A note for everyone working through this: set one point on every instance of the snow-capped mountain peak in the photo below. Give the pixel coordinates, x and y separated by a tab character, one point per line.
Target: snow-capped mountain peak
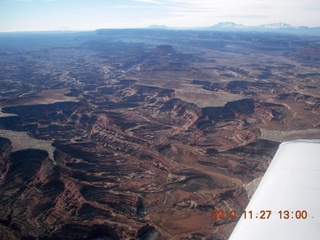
227	25
278	25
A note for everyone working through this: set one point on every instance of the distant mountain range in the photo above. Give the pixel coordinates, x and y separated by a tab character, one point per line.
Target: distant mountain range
272	27
159	27
228	25
278	25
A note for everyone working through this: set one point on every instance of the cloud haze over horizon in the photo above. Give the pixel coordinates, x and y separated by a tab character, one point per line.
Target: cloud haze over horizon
37	15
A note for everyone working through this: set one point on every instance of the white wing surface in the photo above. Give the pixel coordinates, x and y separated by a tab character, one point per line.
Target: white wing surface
286	204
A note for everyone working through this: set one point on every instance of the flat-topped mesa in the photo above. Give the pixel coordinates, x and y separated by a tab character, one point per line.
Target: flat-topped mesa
242	106
163	50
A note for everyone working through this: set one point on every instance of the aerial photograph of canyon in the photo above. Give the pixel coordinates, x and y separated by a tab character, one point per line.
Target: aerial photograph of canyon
142	132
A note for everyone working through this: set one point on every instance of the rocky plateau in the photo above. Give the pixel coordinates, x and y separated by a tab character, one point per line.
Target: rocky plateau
141	134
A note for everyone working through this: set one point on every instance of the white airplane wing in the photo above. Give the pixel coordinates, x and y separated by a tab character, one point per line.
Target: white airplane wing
286	204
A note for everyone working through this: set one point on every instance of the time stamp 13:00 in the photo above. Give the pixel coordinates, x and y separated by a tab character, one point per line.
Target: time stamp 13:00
262	214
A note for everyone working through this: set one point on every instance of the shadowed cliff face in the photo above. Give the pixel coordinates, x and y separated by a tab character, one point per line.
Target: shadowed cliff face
20	171
5	146
34	199
24	165
244	106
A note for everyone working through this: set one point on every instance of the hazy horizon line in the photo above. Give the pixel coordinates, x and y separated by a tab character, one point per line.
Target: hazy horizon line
163	26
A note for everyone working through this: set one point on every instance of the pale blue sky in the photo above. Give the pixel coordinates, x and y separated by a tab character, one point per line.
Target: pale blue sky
35	15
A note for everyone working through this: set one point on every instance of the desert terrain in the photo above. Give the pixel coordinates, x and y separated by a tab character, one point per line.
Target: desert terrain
142	133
